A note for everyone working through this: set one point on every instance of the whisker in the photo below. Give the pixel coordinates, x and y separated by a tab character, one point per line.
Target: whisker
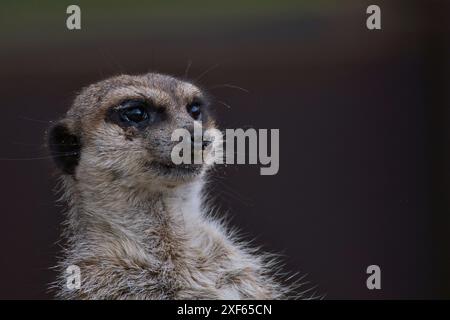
36	120
35	158
206	71
188	67
227	85
225	104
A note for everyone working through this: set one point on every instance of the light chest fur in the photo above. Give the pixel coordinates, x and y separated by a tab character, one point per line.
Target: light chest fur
160	247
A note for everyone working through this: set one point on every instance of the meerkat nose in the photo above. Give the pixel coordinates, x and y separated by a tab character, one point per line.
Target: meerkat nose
204	143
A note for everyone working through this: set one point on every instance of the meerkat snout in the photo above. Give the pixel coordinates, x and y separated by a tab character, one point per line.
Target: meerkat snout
123	126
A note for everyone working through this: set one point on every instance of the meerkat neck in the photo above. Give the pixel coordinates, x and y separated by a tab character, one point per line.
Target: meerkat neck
132	212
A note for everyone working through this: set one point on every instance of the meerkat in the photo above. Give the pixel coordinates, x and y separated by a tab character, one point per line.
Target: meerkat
136	225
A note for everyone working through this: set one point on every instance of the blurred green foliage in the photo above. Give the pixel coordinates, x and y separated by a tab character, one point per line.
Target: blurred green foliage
32	11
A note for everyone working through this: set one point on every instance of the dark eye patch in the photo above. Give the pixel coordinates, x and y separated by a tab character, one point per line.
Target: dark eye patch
198	109
65	148
135	113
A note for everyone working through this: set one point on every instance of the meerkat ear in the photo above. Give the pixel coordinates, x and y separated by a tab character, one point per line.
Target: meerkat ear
64	147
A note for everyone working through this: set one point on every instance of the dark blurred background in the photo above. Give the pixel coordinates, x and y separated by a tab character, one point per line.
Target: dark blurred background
363	119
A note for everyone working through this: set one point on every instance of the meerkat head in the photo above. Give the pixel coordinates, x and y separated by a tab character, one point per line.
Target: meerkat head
120	129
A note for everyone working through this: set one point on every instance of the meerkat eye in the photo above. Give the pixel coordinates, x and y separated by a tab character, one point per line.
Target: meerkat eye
134	114
195	110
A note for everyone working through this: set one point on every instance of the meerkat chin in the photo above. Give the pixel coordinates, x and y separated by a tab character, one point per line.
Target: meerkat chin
136	226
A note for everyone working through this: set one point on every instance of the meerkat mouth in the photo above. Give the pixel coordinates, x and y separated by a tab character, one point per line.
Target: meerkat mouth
174	169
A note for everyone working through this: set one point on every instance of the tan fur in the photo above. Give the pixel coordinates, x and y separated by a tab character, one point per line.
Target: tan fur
136	233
